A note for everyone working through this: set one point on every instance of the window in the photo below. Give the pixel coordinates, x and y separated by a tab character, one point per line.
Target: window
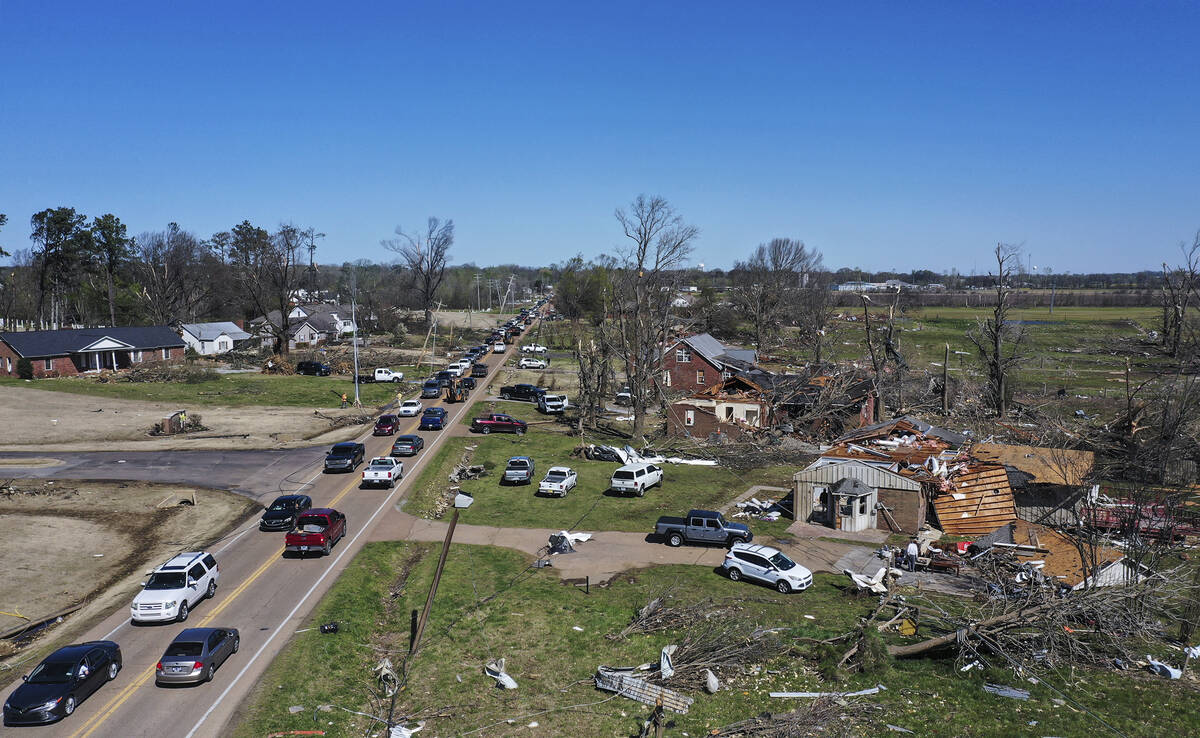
689	417
666	379
196	572
135	356
166	353
683	355
48	364
9	362
862	505
700	377
728	413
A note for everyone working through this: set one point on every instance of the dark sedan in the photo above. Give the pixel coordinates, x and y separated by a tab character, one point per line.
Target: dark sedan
407	445
195	654
387	425
65	678
281	515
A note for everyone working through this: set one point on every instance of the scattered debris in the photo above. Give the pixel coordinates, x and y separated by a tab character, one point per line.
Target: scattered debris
842	695
1161	669
1001	690
666	669
330	627
622	681
897	729
495	669
711	684
876	583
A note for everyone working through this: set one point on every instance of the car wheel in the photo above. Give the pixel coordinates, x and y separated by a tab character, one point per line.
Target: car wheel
520	431
485	430
113	668
183	612
783	587
237	643
326	549
395	380
69	705
641	491
675	540
733	541
212	589
208	673
734	574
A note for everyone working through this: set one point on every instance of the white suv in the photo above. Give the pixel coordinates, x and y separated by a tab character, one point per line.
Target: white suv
636	478
176	587
767	565
531	363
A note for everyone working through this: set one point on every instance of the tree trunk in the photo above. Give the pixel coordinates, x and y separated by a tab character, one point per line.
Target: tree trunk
112	306
914	649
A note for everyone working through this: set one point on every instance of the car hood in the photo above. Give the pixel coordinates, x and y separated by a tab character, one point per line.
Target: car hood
278	514
157	596
30	695
737	526
337	459
797	572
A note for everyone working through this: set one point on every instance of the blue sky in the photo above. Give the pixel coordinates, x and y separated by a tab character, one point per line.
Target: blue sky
886	135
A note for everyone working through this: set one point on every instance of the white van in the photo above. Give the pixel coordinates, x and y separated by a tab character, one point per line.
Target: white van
636	478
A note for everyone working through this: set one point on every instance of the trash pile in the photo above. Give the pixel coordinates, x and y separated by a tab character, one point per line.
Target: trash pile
627	455
768	510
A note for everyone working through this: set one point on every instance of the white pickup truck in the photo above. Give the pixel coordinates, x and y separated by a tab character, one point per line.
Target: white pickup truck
383	471
383	374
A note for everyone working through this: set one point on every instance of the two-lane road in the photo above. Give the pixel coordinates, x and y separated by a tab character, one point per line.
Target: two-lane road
264	595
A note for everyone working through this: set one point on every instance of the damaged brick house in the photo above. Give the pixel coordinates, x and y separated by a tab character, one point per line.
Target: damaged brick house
695	363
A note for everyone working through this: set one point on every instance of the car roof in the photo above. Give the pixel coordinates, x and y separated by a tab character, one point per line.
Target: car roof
76	650
289	498
636	465
518	458
563	469
411	402
319	511
345	444
755	548
179	562
406	439
195	634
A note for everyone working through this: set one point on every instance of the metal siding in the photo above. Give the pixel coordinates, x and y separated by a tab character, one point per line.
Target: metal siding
871	476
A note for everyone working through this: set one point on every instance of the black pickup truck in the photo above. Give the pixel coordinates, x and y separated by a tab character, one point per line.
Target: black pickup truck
526	392
701	526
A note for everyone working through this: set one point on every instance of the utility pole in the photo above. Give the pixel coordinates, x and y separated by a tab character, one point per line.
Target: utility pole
354	335
312	264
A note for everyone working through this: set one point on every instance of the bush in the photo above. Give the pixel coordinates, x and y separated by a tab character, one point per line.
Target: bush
24	368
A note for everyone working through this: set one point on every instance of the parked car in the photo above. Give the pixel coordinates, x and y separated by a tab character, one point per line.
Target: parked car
409	409
767	565
61	681
552	404
174	588
383	374
624	397
498	422
468	383
387	425
383	471
526	392
434	418
317	529
701	526
519	470
533	348
479	370
531	363
345	457
281	515
431	389
195	654
636	478
313	368
498	347
407	445
559	481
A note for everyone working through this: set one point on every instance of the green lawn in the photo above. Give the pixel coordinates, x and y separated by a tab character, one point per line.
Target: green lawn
590	504
491	604
231	390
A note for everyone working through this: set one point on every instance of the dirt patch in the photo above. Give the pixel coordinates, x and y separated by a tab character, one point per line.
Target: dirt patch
82	542
43	420
27	462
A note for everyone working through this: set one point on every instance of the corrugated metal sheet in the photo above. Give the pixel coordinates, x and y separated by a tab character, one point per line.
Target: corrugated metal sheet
979	501
869	475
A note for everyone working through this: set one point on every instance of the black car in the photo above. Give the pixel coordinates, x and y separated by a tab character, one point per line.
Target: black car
479	369
195	654
281	515
64	679
345	457
526	392
468	383
407	445
313	368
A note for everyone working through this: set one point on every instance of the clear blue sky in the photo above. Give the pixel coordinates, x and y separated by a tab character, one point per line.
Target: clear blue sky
887	135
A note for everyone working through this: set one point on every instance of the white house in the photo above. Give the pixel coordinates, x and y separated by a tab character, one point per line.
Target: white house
207	339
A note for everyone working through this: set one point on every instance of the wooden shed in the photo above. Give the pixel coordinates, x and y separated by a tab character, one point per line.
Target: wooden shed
903	497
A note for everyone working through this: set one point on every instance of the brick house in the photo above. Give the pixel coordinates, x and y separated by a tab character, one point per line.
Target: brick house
697	362
66	353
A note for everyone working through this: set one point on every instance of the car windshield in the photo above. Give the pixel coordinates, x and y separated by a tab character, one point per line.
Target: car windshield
781	562
53	672
281	505
556	476
341	451
623	475
381	463
518	464
411	403
386	419
184	650
165	580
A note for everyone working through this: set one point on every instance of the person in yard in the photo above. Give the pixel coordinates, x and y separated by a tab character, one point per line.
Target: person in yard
345	400
910	555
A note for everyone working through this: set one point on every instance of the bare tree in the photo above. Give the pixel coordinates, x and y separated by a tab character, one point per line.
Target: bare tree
813	308
659	243
269	268
768	280
3	221
1177	295
167	265
999	342
425	255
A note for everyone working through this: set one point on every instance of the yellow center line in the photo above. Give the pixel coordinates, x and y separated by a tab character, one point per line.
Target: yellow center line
95	721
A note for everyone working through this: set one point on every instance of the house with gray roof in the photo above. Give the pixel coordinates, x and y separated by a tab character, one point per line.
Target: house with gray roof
308	325
207	339
74	351
697	362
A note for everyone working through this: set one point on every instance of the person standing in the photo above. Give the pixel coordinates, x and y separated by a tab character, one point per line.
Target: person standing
910	555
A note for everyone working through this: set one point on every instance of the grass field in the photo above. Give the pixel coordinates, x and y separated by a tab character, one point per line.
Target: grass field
590	504
491	605
231	390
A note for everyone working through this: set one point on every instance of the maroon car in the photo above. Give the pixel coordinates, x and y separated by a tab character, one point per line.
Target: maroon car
499	423
387	425
316	531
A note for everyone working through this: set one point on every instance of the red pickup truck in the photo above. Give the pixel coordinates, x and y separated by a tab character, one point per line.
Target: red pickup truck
499	423
316	529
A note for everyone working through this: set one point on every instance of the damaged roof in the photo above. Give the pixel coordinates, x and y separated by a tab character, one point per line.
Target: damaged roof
975	501
906	425
1041	465
1063	560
